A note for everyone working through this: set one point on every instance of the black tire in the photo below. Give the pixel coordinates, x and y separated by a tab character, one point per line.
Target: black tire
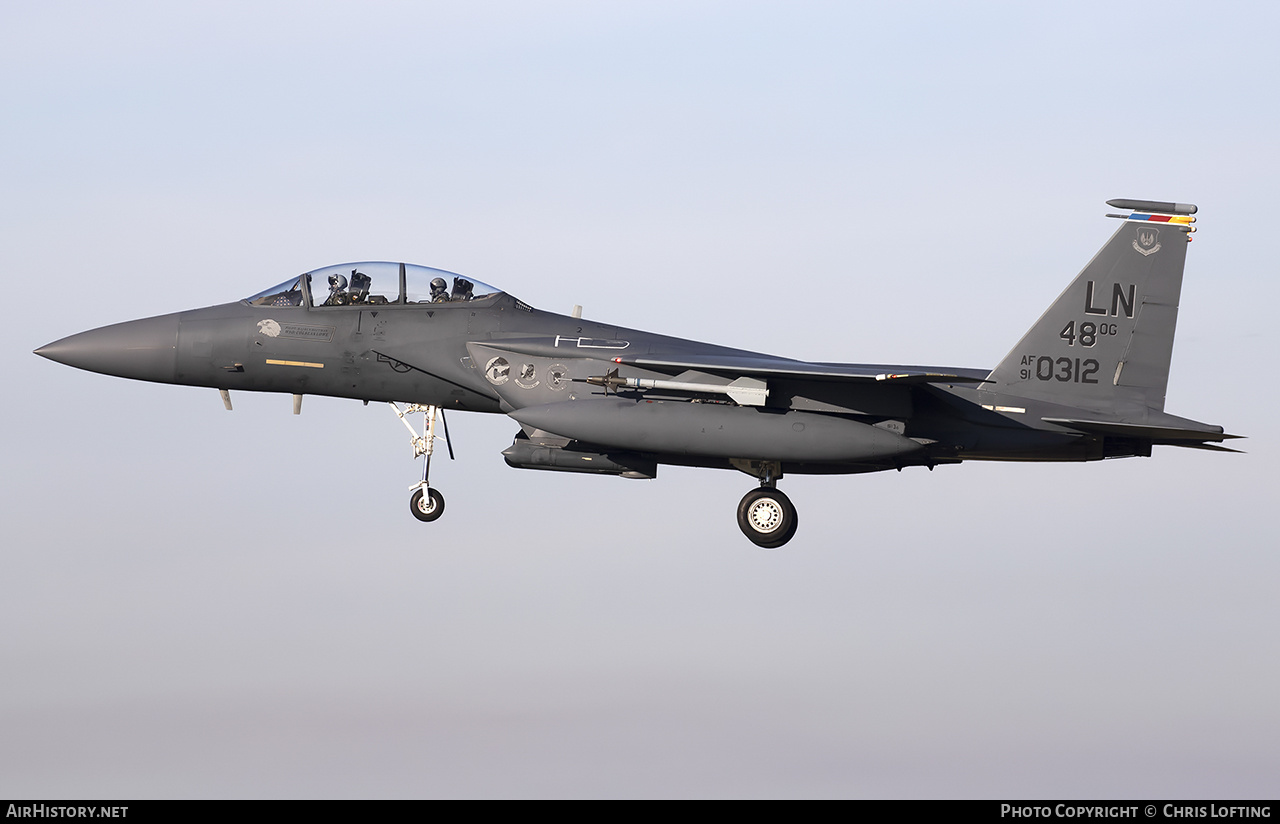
428	508
767	517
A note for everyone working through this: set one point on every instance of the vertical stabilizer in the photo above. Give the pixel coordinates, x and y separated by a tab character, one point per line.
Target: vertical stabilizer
1106	342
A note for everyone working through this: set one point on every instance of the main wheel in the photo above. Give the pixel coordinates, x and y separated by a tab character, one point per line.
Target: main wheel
767	517
426	507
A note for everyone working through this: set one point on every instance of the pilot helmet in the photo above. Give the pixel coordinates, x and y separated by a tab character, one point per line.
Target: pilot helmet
337	283
438	285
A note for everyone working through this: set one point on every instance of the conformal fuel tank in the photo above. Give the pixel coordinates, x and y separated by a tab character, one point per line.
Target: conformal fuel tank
715	429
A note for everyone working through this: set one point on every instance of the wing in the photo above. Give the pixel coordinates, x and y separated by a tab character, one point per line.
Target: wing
765	366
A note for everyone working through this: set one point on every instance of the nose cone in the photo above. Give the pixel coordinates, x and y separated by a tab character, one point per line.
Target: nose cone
145	350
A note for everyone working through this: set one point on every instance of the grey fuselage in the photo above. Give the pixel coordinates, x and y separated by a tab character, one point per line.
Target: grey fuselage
441	354
1087	381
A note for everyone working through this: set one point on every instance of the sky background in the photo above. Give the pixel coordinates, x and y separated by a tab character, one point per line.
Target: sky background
195	603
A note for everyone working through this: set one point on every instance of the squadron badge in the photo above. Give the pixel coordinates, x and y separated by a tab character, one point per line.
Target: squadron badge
527	376
1148	242
557	376
497	371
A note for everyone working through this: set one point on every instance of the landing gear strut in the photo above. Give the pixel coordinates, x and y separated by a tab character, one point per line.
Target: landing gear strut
425	503
765	515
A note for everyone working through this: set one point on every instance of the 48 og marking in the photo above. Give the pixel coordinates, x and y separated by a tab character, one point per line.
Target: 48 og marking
1089	332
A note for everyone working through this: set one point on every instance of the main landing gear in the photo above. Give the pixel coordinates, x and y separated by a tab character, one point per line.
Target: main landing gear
425	503
765	515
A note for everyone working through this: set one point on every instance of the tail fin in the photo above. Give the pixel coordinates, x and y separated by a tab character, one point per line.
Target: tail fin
1106	342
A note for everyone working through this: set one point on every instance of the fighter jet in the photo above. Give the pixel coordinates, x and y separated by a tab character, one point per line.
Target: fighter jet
1086	382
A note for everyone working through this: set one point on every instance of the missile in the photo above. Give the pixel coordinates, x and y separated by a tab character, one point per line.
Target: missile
746	391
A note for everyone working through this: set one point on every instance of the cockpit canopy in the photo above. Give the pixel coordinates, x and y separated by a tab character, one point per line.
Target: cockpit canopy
374	283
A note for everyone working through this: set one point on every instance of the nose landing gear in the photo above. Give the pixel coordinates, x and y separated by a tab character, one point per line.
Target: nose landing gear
428	506
425	503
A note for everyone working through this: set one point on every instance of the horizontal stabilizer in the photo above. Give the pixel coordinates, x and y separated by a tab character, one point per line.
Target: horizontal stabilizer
1134	430
1213	447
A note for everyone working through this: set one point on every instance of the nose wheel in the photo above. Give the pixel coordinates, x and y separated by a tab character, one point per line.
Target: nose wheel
767	517
425	503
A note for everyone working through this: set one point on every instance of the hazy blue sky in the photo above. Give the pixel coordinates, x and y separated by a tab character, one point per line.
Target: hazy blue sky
202	604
